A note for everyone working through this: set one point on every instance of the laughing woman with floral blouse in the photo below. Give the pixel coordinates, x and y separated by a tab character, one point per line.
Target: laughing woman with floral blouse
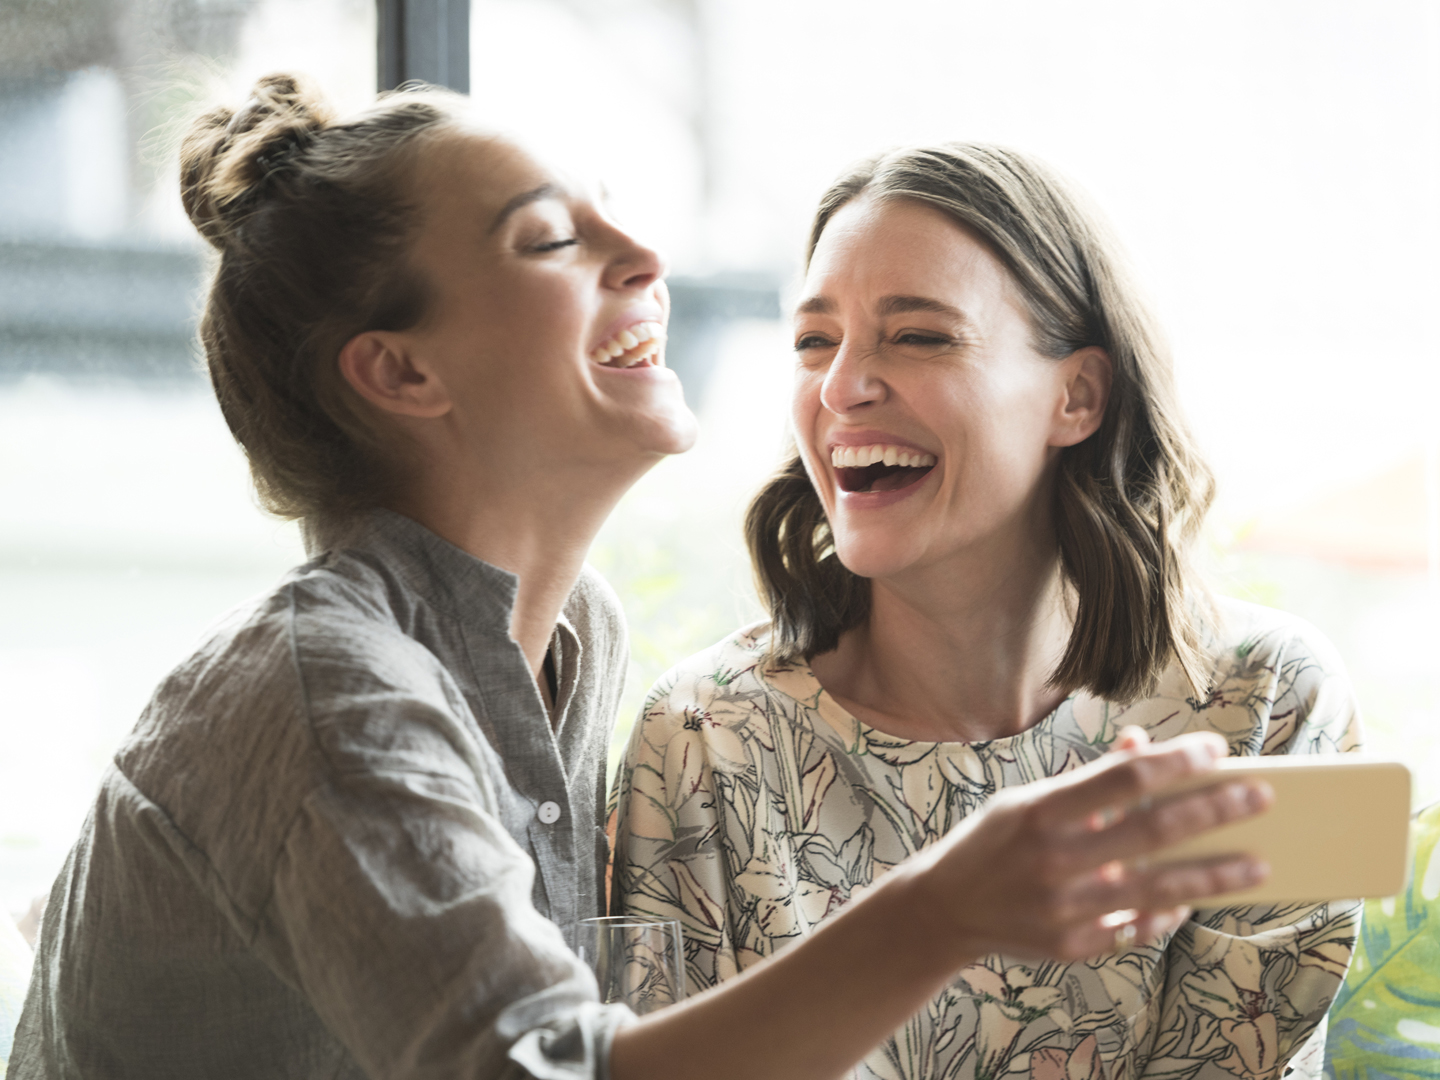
975	567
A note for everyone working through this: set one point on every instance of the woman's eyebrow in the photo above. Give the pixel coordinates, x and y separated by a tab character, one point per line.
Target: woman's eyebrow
900	305
525	198
816	305
888	305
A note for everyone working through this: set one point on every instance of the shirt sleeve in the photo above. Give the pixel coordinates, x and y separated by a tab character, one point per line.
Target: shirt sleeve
1246	987
402	911
669	860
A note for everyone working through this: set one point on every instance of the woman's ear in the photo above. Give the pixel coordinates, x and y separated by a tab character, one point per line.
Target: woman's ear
1088	375
380	369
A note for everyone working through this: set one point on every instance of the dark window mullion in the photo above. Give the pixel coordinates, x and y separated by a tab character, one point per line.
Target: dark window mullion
423	39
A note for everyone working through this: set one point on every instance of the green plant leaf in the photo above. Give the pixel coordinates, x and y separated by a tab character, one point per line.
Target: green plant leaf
1385	1022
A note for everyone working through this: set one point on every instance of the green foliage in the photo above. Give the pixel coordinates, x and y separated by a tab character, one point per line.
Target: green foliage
1385	1023
682	592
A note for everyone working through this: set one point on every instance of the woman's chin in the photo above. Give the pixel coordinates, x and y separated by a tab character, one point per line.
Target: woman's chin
675	435
871	556
663	429
649	408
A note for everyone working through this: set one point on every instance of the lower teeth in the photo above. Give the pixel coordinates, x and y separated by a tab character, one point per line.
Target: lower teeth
621	362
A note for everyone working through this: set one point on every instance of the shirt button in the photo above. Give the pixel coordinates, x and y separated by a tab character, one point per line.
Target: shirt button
549	813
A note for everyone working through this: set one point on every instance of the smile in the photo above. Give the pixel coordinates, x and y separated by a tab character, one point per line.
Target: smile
637	346
879	467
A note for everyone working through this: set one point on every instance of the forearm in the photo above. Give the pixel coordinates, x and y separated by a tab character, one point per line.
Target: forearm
811	1012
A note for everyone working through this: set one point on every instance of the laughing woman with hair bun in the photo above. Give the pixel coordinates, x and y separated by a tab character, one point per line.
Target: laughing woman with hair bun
975	563
349	834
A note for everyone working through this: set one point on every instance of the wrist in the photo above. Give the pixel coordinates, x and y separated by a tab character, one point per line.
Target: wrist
919	910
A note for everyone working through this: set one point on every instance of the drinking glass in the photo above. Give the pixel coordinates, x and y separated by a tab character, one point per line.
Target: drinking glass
637	960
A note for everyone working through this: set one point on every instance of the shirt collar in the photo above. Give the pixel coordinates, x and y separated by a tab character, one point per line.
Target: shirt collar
449	579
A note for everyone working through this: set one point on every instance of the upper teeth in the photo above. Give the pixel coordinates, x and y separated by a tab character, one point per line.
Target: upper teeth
857	457
616	351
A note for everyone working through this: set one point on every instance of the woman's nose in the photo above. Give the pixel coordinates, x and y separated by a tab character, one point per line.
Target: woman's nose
634	265
850	383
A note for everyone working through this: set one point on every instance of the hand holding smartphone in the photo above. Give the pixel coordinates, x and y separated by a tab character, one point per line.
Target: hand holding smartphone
1339	828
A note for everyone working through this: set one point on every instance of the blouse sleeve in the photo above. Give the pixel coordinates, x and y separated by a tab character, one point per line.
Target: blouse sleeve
669	858
1247	986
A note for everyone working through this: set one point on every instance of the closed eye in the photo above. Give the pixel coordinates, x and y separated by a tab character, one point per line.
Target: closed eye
913	337
554	245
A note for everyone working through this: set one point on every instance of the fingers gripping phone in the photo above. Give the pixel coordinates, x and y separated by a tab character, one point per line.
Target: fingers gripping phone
1339	828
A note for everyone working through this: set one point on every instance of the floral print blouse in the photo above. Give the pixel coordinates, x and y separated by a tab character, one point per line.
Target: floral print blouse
751	807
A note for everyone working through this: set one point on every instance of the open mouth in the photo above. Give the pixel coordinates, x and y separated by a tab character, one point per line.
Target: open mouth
879	467
636	346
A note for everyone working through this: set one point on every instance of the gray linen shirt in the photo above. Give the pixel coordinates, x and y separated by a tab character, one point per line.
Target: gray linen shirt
316	856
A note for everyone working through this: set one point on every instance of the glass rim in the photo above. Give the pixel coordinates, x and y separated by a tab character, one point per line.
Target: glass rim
628	920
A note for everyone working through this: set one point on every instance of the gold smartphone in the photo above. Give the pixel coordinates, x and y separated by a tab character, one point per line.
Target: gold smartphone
1339	828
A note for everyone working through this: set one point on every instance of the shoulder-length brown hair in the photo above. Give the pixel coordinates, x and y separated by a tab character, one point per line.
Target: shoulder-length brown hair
1128	500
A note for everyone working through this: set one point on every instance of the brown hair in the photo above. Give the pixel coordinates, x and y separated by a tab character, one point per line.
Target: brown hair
312	219
1128	500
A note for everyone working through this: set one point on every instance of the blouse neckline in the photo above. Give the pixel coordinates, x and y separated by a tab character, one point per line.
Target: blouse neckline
797	681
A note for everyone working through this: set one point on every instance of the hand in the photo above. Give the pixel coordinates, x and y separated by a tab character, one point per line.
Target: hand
1054	869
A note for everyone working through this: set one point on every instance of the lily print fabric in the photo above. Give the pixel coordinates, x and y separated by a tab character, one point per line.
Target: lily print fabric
751	807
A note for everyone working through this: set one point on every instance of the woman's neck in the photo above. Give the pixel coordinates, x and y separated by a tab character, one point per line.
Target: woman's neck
956	653
538	526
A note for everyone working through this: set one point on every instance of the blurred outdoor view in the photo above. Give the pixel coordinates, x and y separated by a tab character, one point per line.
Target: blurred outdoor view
1271	165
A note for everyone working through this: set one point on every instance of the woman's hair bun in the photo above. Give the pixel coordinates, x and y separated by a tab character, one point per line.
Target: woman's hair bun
228	154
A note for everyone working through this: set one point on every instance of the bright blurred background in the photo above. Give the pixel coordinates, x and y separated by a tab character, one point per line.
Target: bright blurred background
1271	165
